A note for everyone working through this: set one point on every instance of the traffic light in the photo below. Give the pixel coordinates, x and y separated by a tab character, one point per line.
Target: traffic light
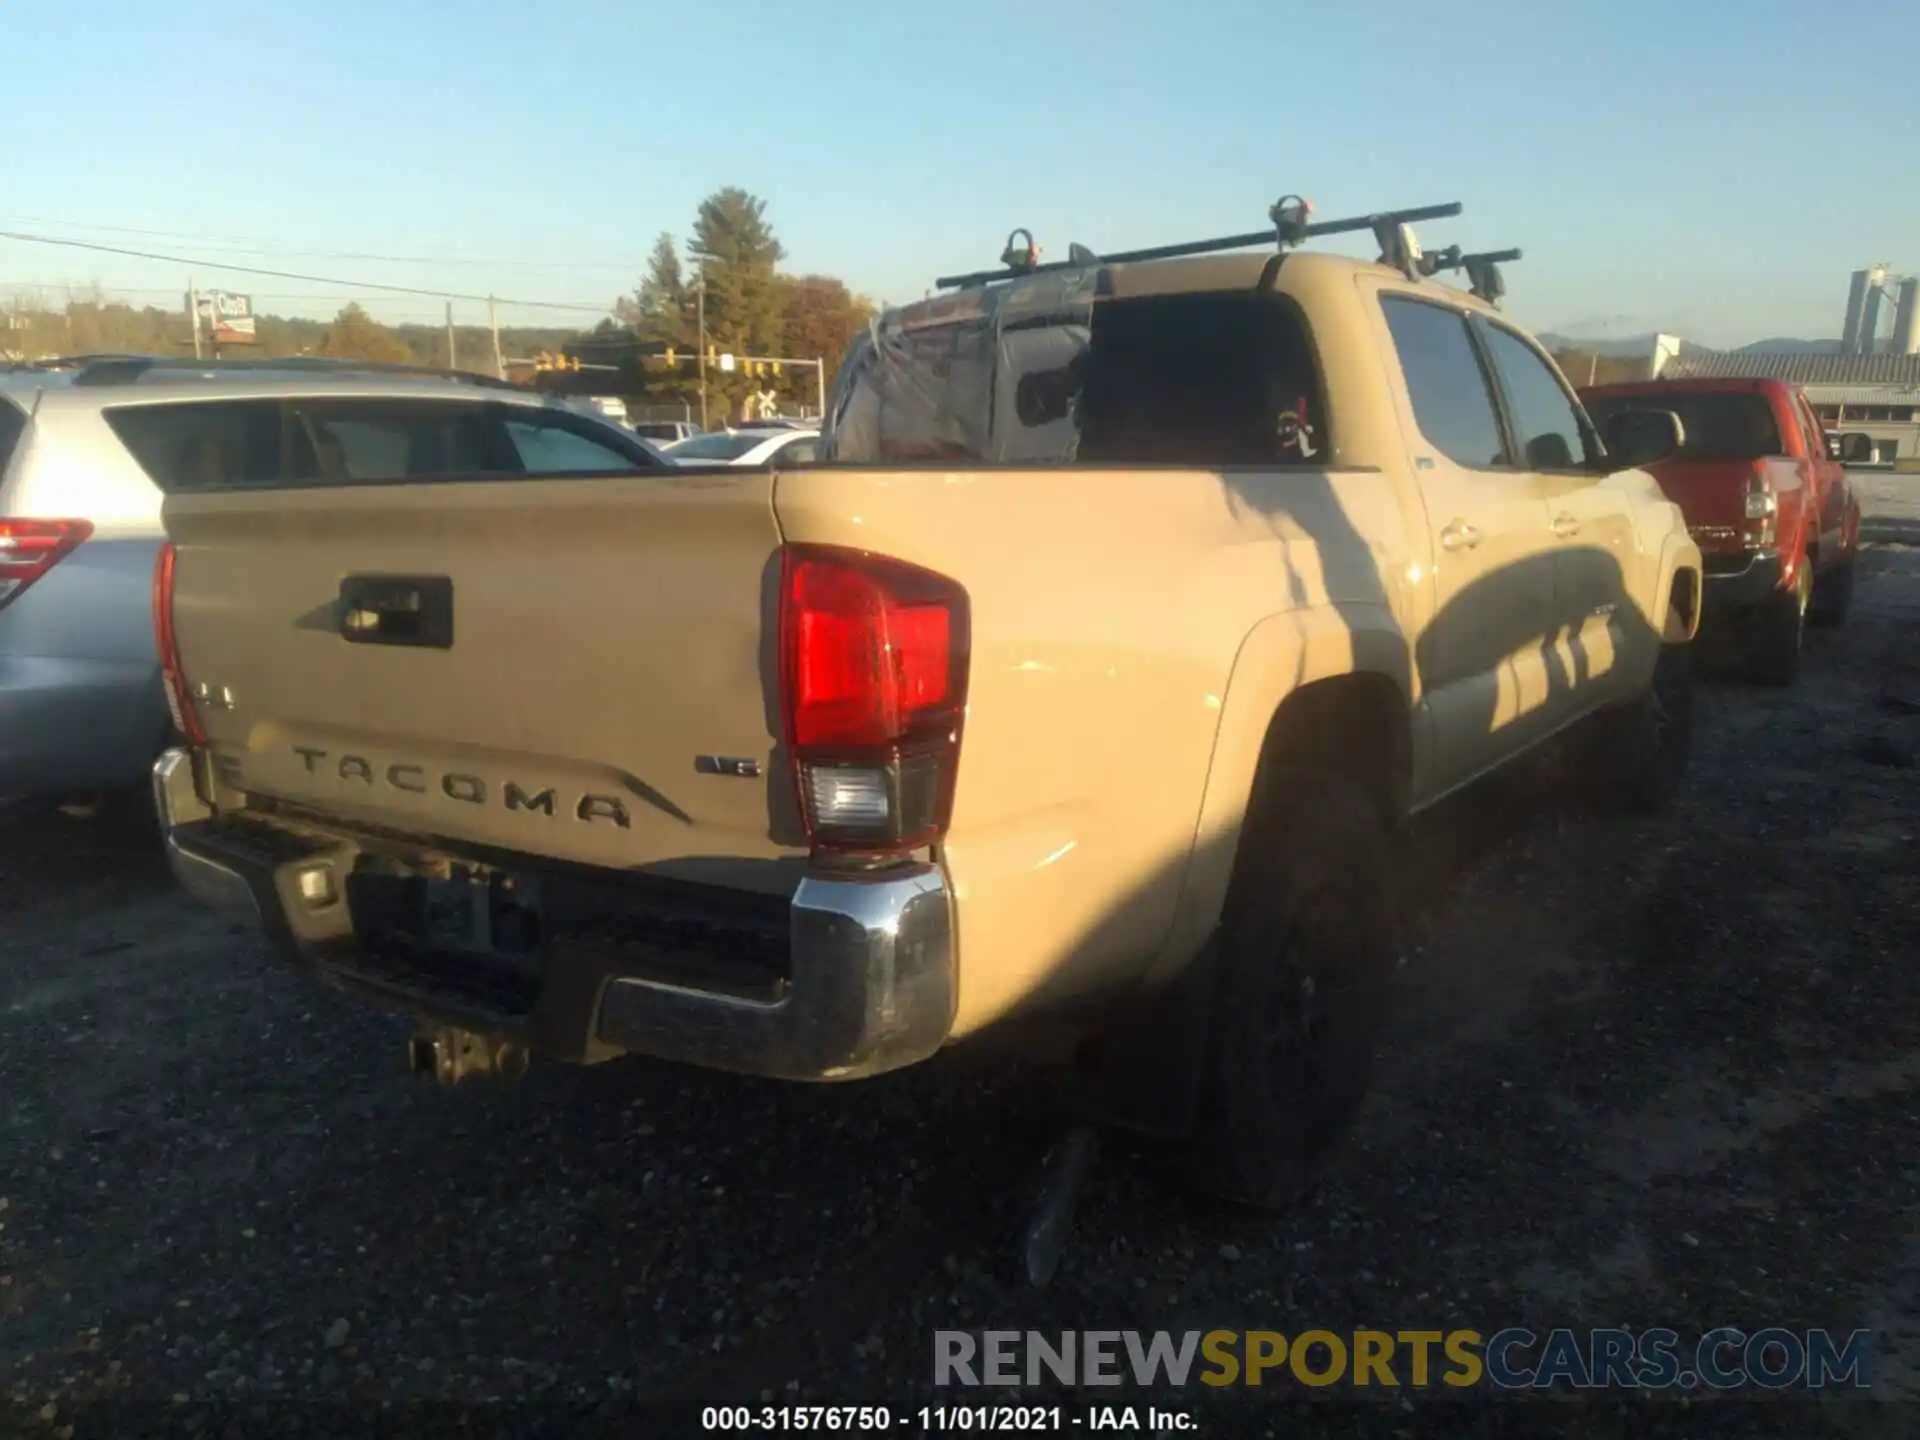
776	367
713	354
543	361
669	355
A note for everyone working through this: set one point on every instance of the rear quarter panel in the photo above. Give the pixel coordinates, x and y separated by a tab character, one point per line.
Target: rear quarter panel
1109	610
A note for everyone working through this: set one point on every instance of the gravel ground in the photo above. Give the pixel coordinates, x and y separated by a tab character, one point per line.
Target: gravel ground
1642	1073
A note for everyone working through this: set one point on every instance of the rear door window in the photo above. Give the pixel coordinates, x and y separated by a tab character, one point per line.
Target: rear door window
1449	387
560	445
223	444
369	440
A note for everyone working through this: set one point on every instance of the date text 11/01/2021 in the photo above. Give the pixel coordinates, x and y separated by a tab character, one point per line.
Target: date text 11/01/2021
929	1419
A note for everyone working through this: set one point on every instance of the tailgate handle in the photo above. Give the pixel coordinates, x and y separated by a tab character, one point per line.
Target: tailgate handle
397	610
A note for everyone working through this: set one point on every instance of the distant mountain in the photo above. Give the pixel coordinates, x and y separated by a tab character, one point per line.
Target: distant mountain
1783	345
1635	346
1625	347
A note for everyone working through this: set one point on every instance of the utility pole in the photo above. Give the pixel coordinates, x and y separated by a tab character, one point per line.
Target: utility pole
700	294
452	362
193	314
820	383
493	322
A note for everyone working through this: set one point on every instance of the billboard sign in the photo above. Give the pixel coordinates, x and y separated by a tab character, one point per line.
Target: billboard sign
230	317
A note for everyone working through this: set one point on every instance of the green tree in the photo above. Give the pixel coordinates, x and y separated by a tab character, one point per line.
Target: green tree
658	310
736	253
819	318
356	335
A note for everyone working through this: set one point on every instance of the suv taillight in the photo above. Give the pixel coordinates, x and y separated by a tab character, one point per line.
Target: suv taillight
179	700
874	658
30	548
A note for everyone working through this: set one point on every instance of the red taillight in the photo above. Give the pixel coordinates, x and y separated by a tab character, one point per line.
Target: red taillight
874	658
179	701
30	548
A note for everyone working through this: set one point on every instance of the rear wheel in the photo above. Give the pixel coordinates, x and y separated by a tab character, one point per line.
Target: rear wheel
1832	595
1779	626
1306	954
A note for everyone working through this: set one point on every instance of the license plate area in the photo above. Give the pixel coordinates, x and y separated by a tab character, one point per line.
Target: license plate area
469	911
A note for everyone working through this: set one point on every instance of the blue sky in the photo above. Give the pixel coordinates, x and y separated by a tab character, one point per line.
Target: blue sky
1705	168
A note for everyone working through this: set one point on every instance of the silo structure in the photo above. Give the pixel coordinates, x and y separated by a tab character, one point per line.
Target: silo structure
1856	308
1906	318
1870	316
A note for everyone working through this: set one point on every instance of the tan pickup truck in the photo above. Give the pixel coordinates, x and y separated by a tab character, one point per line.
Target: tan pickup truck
1090	677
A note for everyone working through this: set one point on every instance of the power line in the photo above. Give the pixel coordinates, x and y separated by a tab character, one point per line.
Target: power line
205	264
249	245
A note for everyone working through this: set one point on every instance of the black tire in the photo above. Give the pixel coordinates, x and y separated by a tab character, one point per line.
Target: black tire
1638	753
1779	627
1307	951
1832	596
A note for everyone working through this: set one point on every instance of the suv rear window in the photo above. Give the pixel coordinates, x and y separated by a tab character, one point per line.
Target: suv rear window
275	444
1719	424
1208	380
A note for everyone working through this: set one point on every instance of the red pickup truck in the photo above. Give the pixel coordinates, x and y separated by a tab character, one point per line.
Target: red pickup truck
1768	501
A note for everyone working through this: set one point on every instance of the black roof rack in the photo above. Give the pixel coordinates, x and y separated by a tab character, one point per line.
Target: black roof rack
1482	269
1290	228
124	369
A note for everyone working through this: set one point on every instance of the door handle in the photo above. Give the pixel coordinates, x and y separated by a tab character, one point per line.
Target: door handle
1460	536
1565	525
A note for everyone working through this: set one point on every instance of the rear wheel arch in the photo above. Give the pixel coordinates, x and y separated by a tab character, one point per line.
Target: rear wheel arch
1331	679
1680	621
1358	725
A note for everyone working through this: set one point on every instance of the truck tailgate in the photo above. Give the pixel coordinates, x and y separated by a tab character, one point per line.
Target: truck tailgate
605	693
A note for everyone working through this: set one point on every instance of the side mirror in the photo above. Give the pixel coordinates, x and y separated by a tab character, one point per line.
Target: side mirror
1856	449
1635	438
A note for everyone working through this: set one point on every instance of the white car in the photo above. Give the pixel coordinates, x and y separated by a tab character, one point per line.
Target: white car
747	446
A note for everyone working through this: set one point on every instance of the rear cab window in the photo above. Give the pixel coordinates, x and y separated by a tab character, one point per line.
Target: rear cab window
1718	424
186	445
1042	374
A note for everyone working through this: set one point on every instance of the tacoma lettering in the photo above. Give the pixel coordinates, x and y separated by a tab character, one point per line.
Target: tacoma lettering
518	799
464	786
470	788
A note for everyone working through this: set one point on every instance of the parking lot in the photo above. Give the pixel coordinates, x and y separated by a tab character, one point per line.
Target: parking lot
1643	1073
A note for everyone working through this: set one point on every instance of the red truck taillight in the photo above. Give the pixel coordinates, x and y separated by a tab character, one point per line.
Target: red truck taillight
1761	510
874	658
179	700
30	548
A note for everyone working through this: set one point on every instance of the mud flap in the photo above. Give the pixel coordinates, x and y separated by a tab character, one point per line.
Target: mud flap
1147	1070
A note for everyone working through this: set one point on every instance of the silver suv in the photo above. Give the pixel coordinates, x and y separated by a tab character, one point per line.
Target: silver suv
88	449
